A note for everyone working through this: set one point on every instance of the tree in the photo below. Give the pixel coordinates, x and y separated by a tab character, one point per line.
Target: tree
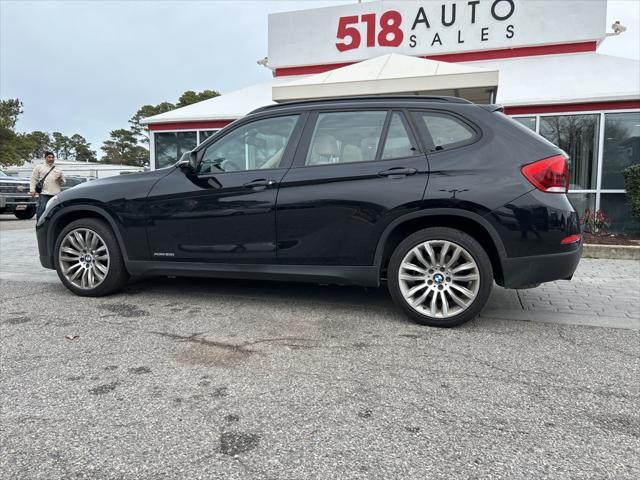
145	111
9	148
122	148
61	146
189	97
81	149
41	142
14	147
10	110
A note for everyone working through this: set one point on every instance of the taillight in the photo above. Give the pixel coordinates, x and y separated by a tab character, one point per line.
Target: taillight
571	239
549	175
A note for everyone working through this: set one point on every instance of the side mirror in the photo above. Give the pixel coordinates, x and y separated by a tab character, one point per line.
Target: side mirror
188	162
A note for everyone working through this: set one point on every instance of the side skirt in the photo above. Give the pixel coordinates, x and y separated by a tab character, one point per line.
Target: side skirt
366	276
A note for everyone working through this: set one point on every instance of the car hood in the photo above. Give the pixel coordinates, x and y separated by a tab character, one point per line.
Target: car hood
14	180
130	177
115	184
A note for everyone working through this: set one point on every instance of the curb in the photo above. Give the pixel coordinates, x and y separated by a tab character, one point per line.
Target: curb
543	316
617	252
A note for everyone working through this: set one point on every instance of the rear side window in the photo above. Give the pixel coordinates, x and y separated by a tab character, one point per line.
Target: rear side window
446	132
346	137
397	143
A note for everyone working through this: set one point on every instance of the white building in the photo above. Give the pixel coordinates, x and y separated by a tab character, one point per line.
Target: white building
90	170
537	58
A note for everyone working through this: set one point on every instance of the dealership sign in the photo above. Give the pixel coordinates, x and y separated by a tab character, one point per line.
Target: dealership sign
364	30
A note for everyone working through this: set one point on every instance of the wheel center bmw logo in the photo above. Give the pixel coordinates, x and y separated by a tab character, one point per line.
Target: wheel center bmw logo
438	278
88	258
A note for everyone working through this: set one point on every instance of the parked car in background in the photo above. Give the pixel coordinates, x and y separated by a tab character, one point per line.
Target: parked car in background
72	180
15	198
434	196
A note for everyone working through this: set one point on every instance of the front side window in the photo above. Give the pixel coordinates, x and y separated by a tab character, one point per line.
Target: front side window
445	131
346	137
257	145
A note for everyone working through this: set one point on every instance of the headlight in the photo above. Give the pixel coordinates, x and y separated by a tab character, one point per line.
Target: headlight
50	204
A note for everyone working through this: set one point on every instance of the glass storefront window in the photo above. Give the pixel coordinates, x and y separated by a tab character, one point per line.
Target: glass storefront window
582	202
621	147
169	146
204	134
615	206
578	136
529	122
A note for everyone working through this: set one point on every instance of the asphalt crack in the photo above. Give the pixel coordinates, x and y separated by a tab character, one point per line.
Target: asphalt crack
194	338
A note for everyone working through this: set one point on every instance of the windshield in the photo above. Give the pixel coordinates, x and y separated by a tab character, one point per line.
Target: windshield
2	174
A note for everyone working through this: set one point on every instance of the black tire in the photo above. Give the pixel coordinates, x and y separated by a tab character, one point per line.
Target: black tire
117	274
25	214
463	240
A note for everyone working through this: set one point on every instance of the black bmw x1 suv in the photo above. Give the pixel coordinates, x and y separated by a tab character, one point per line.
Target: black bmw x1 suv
436	196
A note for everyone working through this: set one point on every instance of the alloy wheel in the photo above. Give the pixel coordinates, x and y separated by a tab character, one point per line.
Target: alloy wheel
84	258
439	278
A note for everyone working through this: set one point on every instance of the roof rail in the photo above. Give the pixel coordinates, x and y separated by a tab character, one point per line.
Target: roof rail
493	107
417	98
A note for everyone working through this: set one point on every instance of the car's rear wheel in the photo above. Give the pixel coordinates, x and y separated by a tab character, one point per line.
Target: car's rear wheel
88	258
440	277
25	214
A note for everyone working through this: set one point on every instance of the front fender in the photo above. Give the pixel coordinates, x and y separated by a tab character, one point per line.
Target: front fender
64	215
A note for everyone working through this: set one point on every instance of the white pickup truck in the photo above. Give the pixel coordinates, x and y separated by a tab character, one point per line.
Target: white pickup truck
15	198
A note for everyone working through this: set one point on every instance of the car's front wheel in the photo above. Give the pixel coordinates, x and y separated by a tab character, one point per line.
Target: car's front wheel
88	258
440	277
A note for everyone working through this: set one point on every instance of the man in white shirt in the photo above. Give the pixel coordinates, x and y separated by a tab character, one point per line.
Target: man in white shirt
52	179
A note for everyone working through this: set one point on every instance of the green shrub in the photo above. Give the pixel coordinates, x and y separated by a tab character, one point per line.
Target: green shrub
632	186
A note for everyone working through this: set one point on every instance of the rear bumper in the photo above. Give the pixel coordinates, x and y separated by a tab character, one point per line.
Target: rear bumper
522	271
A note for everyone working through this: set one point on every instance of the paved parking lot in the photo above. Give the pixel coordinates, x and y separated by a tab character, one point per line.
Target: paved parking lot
184	378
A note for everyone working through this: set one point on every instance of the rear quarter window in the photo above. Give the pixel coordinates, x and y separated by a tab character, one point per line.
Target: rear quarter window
444	131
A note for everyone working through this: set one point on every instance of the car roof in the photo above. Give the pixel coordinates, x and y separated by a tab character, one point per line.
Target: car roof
360	101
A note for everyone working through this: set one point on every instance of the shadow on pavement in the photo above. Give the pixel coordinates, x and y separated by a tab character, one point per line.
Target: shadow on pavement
269	290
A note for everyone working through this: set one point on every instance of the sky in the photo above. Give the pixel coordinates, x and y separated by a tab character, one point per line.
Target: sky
86	66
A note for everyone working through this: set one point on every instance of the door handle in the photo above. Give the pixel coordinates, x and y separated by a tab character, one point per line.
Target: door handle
398	172
260	182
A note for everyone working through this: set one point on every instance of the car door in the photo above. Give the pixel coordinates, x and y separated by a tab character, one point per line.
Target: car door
355	171
224	210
